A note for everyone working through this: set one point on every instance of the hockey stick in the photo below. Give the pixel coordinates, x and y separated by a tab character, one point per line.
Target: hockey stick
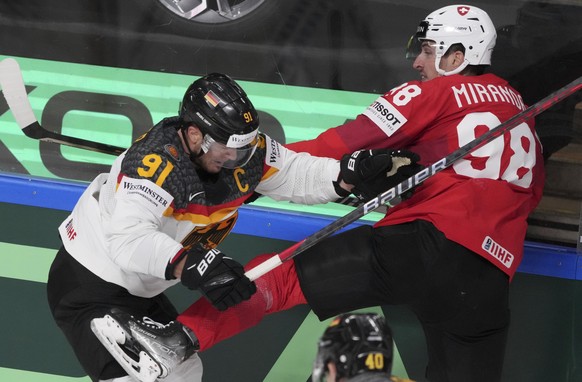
16	96
15	93
414	180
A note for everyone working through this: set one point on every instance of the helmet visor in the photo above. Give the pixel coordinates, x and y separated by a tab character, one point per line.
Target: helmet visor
226	155
415	41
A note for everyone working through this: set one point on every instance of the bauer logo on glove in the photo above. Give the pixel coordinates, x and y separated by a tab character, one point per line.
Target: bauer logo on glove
219	278
372	172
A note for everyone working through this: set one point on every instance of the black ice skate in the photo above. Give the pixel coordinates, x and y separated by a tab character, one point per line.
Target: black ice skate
146	349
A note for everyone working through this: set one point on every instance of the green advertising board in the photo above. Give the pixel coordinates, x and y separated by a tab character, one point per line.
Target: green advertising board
116	105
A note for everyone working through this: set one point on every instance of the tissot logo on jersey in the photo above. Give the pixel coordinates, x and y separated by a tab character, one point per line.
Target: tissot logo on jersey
503	255
385	115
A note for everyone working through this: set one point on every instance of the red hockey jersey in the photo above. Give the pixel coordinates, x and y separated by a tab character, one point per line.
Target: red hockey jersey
483	200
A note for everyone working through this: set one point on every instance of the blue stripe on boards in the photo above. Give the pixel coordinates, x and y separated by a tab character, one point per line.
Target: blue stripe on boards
539	258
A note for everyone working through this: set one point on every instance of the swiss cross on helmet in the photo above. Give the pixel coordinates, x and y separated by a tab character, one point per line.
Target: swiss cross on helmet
457	24
220	108
356	343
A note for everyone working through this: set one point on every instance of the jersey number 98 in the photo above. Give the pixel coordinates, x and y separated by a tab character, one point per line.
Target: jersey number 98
509	157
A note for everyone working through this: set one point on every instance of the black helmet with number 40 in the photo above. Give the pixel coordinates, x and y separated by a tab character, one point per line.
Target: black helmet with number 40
220	108
357	343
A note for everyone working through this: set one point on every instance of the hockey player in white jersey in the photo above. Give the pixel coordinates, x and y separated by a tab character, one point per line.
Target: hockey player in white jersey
156	220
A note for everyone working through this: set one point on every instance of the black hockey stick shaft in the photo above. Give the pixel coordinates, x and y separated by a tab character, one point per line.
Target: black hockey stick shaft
36	131
15	94
414	180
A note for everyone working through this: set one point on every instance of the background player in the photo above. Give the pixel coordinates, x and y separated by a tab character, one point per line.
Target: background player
355	347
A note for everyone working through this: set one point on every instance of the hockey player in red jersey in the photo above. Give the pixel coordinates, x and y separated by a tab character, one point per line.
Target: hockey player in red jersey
450	250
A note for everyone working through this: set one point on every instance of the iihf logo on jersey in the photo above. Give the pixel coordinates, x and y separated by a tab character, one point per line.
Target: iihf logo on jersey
71	233
497	251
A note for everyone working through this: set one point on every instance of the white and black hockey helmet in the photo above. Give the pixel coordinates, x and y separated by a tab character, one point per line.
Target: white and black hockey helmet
356	343
456	24
220	108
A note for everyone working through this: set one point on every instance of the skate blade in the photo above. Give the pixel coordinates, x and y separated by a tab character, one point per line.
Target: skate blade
111	335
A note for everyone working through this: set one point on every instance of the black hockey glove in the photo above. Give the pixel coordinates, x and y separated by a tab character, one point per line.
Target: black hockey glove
375	171
220	279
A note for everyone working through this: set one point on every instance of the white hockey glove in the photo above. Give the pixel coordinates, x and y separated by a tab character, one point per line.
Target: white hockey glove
372	172
220	279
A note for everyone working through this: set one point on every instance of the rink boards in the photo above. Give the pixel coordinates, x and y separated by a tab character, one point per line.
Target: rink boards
282	347
40	182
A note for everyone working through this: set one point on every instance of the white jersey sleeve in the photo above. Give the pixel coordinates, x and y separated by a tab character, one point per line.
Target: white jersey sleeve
120	233
298	177
135	234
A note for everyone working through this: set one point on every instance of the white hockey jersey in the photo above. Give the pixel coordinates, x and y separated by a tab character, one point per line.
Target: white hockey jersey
129	223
